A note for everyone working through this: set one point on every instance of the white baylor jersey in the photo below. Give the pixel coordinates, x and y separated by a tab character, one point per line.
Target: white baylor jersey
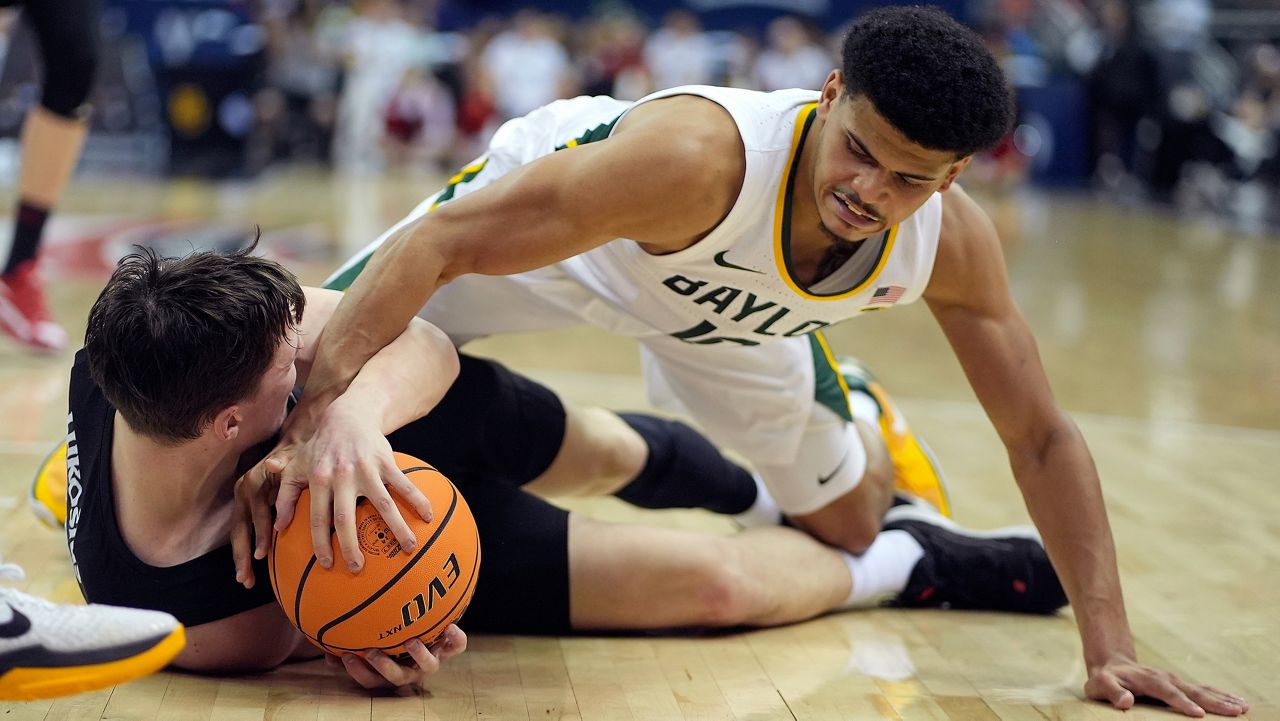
734	286
727	334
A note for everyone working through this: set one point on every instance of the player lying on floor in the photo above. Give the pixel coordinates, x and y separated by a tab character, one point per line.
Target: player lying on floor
186	377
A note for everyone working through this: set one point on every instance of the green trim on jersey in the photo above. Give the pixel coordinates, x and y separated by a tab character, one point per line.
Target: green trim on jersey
599	132
466	175
829	387
343	280
792	172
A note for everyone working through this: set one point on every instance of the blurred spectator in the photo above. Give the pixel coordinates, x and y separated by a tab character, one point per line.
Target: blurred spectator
611	58
419	122
379	48
526	66
792	59
1123	86
296	112
679	53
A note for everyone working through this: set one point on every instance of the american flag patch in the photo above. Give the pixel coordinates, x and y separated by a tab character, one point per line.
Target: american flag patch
887	295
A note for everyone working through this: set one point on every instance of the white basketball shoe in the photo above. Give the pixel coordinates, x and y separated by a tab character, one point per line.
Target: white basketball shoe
49	649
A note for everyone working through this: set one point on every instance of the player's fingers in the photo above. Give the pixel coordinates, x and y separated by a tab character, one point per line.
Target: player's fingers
391	516
411	494
361	672
394	673
262	525
1106	687
421	655
451	643
287	500
1163	689
1212	700
1238	700
321	525
240	554
344	523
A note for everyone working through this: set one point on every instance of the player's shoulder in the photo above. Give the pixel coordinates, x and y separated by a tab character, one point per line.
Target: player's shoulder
687	128
969	253
964	222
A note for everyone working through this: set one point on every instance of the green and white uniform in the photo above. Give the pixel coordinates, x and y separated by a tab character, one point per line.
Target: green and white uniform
728	335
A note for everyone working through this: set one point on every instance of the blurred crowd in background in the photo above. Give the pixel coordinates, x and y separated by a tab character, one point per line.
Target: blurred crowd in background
1173	101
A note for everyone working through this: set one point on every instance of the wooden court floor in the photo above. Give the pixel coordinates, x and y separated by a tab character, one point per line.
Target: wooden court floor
1161	335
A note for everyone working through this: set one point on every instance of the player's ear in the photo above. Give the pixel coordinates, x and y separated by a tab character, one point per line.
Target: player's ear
956	168
226	425
831	91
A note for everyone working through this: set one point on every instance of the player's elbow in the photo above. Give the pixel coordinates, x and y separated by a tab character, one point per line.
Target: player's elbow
1035	445
437	346
231	656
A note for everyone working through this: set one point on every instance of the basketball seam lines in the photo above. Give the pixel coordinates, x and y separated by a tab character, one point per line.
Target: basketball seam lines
297	601
394	579
475	566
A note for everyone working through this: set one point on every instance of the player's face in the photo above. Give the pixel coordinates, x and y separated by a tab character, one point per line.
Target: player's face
867	176
264	412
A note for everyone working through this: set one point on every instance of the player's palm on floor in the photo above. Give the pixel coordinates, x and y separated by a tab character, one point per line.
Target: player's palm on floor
1122	682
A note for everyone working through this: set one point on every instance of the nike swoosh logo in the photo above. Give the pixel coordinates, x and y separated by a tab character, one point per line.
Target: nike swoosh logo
720	261
15	626
823	480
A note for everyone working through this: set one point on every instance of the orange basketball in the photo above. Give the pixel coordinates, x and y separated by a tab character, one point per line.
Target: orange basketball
396	596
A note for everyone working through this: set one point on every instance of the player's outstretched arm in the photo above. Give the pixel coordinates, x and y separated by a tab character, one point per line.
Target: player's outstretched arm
969	297
341	453
668	175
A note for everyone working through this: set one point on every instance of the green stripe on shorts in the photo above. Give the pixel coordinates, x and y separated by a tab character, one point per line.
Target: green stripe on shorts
827	388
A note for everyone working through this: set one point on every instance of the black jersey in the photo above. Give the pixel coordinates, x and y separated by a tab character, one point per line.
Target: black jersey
198	591
492	432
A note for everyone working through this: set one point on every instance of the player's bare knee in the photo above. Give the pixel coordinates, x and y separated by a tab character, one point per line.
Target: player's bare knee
726	592
606	451
879	470
849	523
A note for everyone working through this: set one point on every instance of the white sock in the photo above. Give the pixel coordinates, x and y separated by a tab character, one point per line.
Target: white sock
883	571
764	512
863	407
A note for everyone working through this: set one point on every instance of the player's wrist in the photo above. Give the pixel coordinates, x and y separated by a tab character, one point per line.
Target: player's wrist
1107	648
369	410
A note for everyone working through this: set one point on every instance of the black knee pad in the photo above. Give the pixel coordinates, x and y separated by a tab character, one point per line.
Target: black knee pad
69	79
684	470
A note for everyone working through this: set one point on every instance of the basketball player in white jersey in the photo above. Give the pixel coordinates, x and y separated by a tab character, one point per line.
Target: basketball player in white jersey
722	229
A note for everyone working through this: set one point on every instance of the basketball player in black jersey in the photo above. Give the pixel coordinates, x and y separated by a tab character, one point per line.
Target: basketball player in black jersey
186	377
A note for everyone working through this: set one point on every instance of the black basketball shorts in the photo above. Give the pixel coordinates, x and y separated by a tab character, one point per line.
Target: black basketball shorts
493	432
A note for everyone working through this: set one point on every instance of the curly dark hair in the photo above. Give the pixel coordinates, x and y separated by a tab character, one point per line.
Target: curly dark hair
173	341
930	77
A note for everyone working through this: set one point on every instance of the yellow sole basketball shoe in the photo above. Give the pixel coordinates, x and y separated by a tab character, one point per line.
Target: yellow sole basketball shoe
48	497
916	470
49	650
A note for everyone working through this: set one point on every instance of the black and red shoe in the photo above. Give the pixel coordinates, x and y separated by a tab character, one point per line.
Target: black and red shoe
1001	570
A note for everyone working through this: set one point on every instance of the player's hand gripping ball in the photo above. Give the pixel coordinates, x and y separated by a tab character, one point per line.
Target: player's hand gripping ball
397	596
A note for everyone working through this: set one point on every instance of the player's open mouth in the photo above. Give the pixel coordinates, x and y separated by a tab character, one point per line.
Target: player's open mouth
853	213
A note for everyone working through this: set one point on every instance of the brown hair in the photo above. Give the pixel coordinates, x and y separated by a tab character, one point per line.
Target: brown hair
172	341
